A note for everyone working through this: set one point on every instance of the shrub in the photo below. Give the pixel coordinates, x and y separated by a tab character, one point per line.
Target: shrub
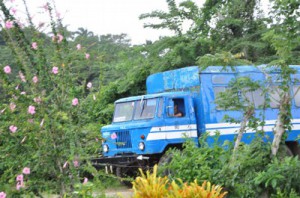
152	186
43	126
203	163
280	176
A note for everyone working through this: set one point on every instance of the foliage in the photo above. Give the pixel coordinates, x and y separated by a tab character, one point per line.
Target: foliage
194	190
150	185
206	162
280	175
224	58
252	173
238	175
83	190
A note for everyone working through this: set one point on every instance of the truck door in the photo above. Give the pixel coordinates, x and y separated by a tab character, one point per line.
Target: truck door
178	121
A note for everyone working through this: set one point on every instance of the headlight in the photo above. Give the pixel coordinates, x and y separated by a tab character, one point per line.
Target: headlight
105	148
141	146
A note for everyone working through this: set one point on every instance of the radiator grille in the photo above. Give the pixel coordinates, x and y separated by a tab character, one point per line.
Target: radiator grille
123	139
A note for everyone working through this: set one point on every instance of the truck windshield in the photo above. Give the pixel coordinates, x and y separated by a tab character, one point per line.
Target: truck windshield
123	111
145	109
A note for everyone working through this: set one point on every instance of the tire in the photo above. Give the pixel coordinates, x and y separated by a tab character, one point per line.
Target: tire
164	161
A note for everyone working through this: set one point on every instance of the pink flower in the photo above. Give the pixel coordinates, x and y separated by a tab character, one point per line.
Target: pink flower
26	171
76	163
35	79
34	45
46	7
13	10
7	69
75	102
78	46
31	110
2	195
58	15
60	38
85	180
65	165
89	85
9	24
20	184
55	70
113	136
19	178
87	56
21	75
13	128
23	93
12	106
20	24
37	100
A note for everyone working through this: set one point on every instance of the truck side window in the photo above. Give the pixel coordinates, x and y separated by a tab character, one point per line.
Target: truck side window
296	89
274	96
179	108
217	91
255	97
160	107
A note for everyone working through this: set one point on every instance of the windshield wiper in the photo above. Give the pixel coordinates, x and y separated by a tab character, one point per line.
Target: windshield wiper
142	105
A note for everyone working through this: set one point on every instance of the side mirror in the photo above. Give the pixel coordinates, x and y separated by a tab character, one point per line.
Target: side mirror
170	107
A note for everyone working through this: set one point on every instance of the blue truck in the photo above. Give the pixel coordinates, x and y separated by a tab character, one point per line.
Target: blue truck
181	103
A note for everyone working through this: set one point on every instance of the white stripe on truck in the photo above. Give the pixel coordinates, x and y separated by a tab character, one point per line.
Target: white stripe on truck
171	135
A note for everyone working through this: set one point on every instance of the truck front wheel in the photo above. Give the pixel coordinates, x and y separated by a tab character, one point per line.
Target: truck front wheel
163	164
123	174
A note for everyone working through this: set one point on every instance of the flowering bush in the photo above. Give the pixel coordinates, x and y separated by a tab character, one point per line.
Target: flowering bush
40	115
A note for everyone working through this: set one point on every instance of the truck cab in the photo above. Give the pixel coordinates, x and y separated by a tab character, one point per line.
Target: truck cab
144	127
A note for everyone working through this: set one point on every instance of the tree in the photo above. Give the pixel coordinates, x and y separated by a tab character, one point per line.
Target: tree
41	127
284	38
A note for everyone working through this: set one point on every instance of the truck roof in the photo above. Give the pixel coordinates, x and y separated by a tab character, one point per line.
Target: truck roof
188	77
170	94
232	69
245	69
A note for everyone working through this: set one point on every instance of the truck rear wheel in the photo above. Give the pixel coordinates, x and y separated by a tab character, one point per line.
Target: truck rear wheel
284	151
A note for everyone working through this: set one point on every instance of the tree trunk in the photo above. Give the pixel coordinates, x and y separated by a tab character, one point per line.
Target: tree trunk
248	114
281	123
279	130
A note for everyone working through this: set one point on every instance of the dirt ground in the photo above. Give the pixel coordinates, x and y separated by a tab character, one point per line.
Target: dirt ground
119	193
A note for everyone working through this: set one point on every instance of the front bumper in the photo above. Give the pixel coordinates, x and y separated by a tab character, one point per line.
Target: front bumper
120	160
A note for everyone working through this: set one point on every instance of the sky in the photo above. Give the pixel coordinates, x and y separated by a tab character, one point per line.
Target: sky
112	16
103	16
